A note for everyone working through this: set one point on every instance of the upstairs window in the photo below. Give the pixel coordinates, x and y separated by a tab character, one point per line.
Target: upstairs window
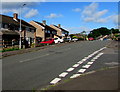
54	32
48	31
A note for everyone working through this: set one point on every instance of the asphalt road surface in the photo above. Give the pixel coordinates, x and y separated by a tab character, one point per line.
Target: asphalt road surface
35	70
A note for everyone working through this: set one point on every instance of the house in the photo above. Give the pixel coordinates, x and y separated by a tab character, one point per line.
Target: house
9	31
43	31
60	31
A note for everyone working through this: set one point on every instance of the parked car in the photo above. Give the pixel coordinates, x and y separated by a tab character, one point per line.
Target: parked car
48	41
67	39
58	40
74	39
91	39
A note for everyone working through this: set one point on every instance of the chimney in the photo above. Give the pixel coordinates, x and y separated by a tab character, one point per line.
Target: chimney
15	16
59	25
44	22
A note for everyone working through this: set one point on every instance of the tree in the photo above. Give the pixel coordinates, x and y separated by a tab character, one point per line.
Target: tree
112	30
98	32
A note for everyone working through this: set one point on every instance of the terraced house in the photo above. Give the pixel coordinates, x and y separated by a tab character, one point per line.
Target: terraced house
61	32
43	31
10	34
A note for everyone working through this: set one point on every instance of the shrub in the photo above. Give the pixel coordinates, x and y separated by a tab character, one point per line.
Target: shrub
10	49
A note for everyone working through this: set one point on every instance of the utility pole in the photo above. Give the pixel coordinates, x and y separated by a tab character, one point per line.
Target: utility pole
20	30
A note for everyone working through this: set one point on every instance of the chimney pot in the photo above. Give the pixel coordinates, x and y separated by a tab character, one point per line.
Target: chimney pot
44	22
15	16
59	25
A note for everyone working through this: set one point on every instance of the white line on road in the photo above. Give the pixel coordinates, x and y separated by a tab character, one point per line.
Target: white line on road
76	65
86	66
93	60
63	74
55	80
70	69
80	62
83	60
75	75
33	58
89	63
82	70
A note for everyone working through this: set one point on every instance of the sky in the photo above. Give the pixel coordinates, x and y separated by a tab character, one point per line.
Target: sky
73	16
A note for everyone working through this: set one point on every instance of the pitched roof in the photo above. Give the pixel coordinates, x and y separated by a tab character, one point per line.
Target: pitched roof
10	20
61	28
46	26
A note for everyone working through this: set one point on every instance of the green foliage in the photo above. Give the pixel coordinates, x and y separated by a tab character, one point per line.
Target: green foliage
80	39
10	49
117	35
74	37
71	35
42	44
102	31
114	31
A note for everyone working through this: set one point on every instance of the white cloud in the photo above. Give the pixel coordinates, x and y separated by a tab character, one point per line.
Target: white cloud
53	15
14	7
31	13
76	10
92	14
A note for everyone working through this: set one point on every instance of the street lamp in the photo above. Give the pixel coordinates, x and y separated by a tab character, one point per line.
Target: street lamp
20	30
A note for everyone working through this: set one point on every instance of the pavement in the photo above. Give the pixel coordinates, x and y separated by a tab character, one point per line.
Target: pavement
27	50
103	79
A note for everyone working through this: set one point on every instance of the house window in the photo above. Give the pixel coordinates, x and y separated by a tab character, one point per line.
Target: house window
32	30
45	31
48	31
54	32
62	32
27	29
6	26
1	25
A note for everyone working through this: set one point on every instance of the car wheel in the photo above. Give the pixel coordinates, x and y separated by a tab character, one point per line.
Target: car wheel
58	41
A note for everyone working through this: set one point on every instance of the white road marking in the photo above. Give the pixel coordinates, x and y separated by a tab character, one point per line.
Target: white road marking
86	66
86	57
82	70
33	58
90	56
80	62
93	60
84	60
76	65
70	69
63	74
89	63
55	80
75	75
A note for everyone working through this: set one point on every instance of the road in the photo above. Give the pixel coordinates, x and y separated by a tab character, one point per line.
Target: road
37	69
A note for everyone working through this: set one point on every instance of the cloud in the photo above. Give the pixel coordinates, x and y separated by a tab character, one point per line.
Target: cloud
31	13
53	15
92	14
76	10
14	7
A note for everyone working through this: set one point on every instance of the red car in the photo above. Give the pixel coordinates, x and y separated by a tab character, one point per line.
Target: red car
91	39
49	41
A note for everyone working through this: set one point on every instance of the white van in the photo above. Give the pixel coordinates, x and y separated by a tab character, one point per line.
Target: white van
58	40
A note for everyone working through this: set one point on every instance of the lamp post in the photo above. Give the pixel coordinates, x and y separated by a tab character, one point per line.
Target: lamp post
20	30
